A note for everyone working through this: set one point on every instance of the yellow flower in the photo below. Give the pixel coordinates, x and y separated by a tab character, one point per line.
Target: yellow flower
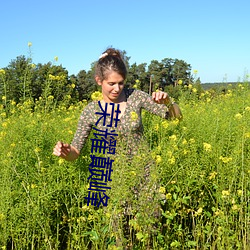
225	193
239	192
135	86
13	103
2	217
37	149
247	108
184	141
96	96
173	137
207	147
2	72
190	86
133	116
195	71
73	85
29	44
162	190
191	140
158	159
133	173
156	127
56	58
225	159
235	207
137	81
194	90
238	116
50	97
61	161
212	175
198	212
51	77
4	124
168	196
247	135
164	124
180	82
171	160
3	97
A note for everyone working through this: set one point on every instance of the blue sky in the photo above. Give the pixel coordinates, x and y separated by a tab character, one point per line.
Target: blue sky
212	36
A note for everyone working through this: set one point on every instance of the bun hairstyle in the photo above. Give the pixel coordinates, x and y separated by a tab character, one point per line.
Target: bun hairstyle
110	60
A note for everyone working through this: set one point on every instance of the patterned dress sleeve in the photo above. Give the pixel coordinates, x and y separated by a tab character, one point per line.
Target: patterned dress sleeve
151	106
84	127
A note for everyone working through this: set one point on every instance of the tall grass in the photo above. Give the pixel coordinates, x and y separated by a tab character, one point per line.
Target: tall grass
202	168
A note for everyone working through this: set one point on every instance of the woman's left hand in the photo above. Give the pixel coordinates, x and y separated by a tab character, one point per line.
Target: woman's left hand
161	97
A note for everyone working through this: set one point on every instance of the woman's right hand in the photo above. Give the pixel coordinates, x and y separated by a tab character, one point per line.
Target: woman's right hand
61	149
66	151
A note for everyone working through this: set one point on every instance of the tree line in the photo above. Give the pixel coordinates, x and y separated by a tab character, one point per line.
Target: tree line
22	79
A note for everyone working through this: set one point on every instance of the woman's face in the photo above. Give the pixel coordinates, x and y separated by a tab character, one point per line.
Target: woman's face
112	86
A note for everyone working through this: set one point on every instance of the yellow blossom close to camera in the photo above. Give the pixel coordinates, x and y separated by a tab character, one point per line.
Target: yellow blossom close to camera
247	108
56	58
96	96
173	137
135	86
133	116
2	72
207	147
195	71
3	97
29	44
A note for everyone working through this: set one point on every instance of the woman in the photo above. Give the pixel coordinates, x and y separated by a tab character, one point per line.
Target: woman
110	74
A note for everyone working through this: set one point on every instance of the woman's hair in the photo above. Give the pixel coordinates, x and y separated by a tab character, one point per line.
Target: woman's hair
110	60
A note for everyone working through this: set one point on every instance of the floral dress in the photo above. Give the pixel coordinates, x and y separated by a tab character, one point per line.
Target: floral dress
141	191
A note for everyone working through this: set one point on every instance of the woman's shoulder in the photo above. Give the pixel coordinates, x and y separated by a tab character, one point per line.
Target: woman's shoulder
90	109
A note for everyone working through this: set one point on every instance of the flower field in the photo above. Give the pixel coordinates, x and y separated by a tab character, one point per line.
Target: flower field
202	165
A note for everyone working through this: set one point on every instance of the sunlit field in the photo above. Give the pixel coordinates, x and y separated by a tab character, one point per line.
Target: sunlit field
201	164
